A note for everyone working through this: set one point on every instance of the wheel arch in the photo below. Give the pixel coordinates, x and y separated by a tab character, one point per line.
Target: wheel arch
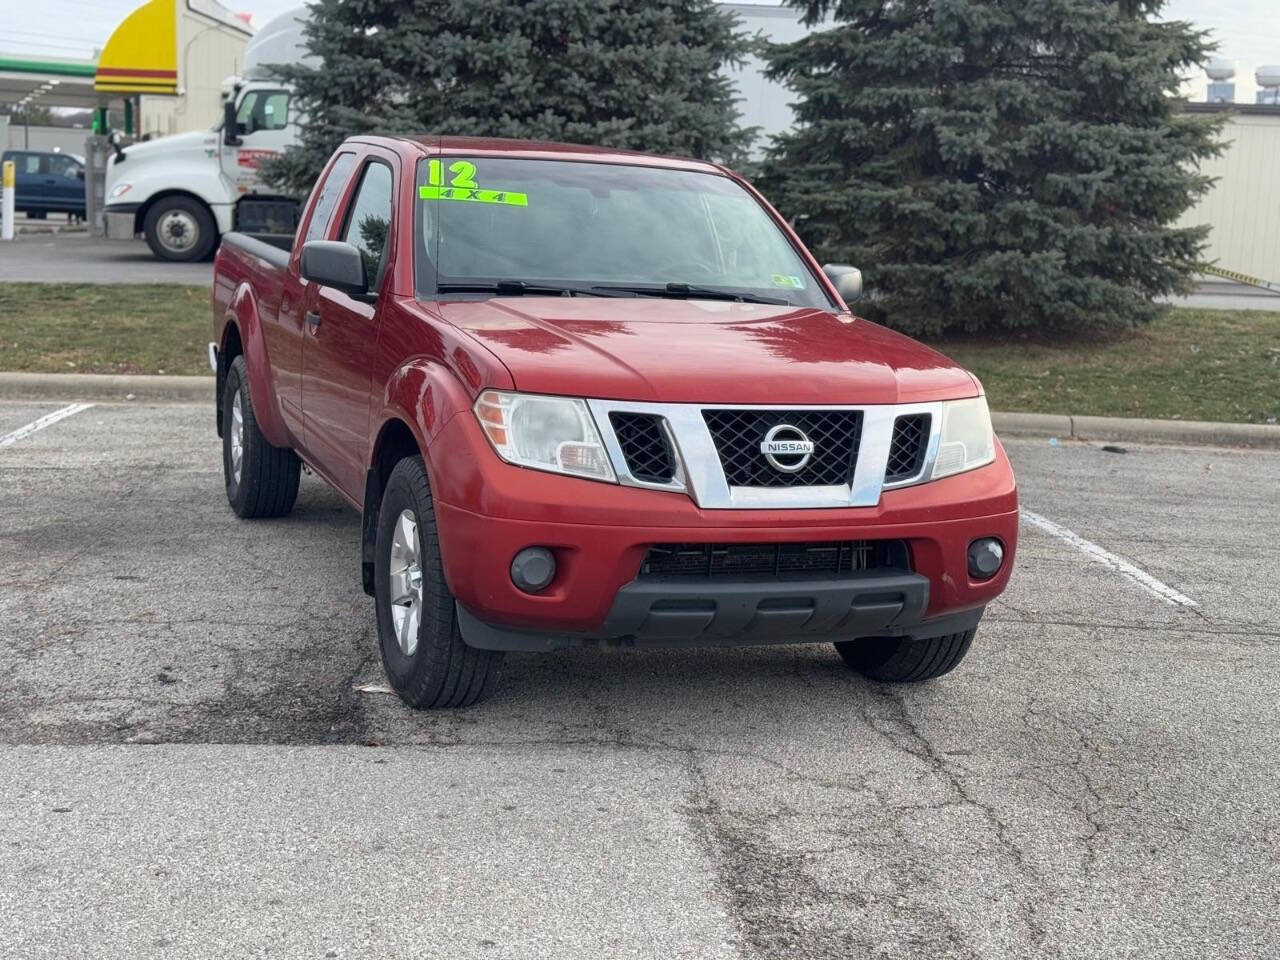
396	441
230	347
243	322
419	398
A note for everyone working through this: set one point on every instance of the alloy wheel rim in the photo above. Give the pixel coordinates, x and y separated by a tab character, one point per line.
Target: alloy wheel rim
237	437
406	582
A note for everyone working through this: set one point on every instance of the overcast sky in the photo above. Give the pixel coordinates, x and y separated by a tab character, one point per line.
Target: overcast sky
1248	31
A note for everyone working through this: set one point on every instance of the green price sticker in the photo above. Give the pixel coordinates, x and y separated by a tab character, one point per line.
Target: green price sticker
474	194
463	186
786	281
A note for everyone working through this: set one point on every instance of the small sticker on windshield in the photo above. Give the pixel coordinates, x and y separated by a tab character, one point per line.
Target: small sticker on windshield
474	195
787	281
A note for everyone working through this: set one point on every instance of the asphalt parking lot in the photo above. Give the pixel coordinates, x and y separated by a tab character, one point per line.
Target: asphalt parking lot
198	758
80	258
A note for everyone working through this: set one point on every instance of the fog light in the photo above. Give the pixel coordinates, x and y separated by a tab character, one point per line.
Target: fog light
985	557
533	569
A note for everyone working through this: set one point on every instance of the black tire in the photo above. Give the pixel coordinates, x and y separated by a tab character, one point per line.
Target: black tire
442	671
268	482
190	228
904	660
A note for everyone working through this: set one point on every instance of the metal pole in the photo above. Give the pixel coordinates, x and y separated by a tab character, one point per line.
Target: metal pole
26	128
8	177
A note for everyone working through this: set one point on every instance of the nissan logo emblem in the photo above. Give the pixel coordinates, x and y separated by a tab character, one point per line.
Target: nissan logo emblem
786	448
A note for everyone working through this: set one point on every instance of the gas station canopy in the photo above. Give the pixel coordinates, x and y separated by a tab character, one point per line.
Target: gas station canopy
46	82
140	57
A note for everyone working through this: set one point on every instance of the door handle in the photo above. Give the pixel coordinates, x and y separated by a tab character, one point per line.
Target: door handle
313	321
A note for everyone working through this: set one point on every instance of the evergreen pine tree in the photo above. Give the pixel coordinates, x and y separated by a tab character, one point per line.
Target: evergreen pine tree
995	164
634	75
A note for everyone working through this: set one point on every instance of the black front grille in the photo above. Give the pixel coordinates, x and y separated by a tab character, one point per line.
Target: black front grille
644	444
791	560
738	434
907	448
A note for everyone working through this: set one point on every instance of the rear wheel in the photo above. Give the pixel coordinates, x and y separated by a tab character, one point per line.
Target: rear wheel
180	228
423	653
904	659
261	480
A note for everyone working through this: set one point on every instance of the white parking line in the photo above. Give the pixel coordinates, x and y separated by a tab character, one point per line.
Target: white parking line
1108	559
47	420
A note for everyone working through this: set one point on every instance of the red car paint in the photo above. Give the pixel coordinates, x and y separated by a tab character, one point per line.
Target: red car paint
331	392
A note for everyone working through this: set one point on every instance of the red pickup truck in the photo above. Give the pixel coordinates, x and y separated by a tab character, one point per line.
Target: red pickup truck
583	396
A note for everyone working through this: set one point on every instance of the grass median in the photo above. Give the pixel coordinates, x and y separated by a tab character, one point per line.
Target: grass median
104	328
1218	365
1192	365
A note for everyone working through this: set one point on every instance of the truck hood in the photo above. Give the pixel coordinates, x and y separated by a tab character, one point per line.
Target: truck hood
139	158
704	351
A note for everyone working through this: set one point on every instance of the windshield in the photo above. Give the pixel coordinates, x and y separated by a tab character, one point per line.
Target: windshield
553	226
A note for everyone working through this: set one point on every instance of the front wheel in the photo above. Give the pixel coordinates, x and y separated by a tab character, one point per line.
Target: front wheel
423	653
180	229
904	659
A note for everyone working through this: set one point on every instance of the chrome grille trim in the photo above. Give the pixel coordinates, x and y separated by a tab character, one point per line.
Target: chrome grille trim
699	473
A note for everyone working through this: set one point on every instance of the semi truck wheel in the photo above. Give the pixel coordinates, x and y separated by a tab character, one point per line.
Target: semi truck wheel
180	229
903	659
262	480
423	654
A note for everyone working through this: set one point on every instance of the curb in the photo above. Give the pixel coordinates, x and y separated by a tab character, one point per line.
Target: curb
108	387
90	386
1258	435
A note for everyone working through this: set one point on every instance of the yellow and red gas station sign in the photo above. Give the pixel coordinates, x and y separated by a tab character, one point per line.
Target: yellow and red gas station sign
142	54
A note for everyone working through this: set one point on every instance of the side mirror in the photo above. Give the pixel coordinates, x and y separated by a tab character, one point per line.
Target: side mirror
332	263
230	129
847	280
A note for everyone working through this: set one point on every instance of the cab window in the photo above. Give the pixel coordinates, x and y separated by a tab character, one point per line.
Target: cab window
263	110
368	221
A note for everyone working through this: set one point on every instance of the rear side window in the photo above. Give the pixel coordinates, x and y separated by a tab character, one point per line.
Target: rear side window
330	194
61	165
369	220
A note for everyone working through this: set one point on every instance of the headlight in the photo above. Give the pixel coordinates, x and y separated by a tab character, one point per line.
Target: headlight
119	190
967	439
546	433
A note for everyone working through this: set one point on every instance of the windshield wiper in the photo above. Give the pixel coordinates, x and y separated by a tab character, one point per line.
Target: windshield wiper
687	291
515	288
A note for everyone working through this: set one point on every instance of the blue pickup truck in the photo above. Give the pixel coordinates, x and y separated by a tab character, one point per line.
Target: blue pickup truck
47	181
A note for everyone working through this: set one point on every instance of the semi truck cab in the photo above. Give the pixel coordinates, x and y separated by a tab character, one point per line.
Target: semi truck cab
183	192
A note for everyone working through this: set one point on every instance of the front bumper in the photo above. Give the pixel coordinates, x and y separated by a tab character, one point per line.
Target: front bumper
669	613
120	219
487	511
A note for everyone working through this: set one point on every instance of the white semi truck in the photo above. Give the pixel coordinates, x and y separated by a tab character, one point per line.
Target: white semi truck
182	192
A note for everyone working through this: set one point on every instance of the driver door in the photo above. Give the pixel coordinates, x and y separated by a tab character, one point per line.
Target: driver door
263	121
341	335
